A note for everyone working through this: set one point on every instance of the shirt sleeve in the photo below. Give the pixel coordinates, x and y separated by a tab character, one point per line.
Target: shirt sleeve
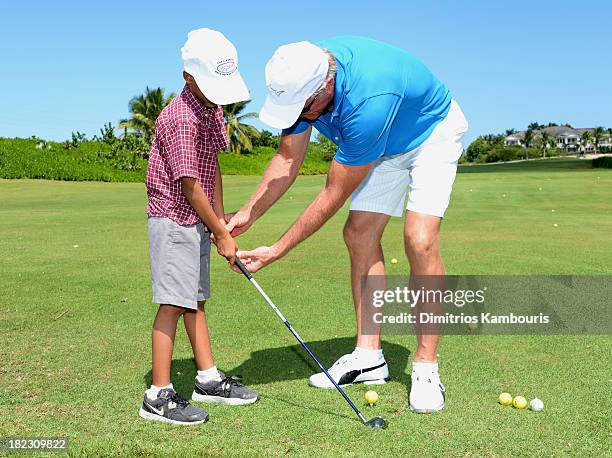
297	128
180	151
365	130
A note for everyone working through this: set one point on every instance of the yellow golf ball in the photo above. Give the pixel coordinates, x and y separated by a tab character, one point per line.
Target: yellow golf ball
371	397
519	402
393	261
505	399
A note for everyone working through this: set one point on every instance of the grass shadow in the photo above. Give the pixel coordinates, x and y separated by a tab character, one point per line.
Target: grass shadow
294	404
293	363
289	363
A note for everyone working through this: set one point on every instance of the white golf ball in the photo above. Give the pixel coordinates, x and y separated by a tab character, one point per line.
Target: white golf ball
536	405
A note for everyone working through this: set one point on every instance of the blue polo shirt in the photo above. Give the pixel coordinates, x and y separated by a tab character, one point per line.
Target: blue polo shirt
386	101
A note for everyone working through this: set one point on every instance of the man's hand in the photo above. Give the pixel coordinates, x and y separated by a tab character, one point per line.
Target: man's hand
226	247
258	258
238	223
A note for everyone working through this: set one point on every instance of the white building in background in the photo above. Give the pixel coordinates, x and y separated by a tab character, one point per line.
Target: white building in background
566	138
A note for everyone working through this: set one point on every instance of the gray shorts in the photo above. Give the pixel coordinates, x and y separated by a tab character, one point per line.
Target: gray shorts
180	262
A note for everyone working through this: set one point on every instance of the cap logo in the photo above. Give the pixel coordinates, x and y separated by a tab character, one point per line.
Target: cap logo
226	67
276	92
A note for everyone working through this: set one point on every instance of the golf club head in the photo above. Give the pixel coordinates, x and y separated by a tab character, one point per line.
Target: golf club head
376	423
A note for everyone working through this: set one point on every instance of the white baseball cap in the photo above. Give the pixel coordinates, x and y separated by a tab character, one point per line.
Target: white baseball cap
213	62
293	74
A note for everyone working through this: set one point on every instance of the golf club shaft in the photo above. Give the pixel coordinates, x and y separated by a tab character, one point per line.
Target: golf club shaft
249	276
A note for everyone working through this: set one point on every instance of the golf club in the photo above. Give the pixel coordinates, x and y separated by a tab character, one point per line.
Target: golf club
375	422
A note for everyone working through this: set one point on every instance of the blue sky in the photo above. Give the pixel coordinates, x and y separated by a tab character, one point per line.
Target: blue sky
68	66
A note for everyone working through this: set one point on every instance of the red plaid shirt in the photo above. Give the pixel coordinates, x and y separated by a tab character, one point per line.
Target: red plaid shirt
188	136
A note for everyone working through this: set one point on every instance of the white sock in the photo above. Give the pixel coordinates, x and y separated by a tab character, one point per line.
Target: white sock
154	391
208	375
368	355
424	368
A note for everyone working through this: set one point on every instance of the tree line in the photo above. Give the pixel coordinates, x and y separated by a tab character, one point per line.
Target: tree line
536	142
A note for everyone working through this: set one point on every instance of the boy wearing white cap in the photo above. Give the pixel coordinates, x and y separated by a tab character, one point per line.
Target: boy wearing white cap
397	129
185	205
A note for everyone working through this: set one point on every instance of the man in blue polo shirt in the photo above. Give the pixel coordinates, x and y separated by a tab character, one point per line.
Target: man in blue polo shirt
398	130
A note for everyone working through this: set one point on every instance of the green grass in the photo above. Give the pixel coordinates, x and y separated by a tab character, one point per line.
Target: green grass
75	325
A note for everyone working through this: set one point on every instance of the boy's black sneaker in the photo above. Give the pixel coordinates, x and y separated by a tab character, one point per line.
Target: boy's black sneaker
227	391
170	407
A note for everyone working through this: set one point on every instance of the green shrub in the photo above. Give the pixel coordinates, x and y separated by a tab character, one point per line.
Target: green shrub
107	134
128	153
504	153
21	158
603	162
327	147
255	162
121	159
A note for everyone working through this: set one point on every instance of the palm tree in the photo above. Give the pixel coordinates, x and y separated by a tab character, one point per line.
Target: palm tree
239	134
510	132
145	109
586	138
546	140
534	126
528	139
598	134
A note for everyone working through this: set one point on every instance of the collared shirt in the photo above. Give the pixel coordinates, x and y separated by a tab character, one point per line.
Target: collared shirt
188	136
386	101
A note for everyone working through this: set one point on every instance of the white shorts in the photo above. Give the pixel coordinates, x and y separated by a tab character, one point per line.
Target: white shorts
426	172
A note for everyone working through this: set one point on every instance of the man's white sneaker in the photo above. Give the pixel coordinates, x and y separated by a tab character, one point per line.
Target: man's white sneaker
350	369
427	393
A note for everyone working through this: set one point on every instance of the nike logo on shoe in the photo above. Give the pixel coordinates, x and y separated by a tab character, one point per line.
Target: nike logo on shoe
157	411
350	376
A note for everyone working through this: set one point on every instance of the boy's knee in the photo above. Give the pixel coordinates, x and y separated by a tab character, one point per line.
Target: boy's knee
171	310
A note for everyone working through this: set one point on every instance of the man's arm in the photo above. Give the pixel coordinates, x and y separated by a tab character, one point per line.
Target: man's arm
196	197
278	177
342	180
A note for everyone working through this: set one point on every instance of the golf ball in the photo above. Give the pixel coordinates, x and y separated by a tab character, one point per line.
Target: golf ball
505	399
371	397
536	405
519	402
393	261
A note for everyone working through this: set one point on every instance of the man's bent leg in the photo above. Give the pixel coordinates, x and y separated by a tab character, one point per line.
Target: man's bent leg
362	234
366	364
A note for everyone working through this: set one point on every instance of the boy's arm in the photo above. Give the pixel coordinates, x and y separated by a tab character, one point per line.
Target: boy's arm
196	197
218	201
